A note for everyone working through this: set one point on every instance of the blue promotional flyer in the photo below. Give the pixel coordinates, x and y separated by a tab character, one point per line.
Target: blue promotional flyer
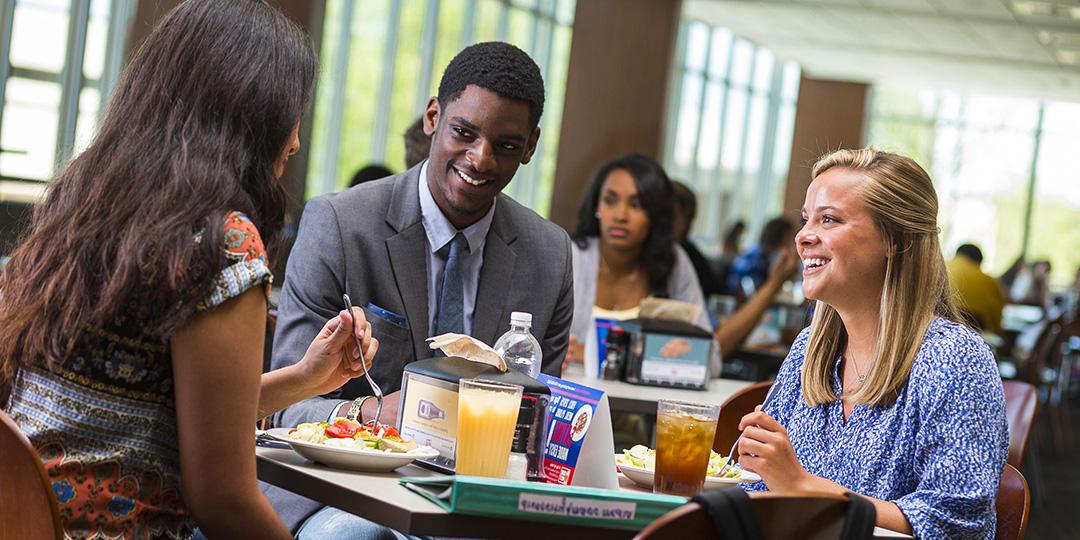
572	408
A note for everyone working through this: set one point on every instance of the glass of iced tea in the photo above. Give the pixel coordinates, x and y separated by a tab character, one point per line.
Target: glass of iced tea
487	416
684	438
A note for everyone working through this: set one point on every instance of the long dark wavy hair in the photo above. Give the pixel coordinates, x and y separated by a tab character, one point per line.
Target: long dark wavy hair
657	196
196	125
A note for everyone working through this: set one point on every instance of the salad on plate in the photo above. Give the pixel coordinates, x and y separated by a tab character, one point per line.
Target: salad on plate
345	433
643	457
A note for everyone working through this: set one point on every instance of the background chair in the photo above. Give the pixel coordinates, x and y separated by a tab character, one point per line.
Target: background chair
1021	409
1013	505
1050	372
807	516
28	509
731	411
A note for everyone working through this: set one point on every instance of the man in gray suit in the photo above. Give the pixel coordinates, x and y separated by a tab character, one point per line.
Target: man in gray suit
435	249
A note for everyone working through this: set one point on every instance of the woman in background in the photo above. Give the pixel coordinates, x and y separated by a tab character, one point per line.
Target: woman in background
886	394
132	317
623	252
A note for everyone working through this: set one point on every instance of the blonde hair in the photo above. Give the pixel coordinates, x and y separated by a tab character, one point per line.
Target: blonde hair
901	200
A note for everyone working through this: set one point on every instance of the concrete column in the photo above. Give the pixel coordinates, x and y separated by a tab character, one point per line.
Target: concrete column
830	115
615	91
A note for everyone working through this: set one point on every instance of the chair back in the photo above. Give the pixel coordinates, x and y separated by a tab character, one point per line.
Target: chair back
807	516
1043	353
740	404
1021	408
1013	505
28	508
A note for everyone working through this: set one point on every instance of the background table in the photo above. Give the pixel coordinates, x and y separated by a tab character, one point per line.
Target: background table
635	398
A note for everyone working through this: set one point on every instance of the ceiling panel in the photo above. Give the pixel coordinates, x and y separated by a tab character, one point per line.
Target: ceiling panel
976	8
852	3
960	43
943	36
907	6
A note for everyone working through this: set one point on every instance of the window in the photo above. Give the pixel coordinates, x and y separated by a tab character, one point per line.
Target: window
382	60
1003	170
59	60
731	120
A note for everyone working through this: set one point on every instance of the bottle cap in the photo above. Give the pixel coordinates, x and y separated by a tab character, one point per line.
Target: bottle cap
617	336
521	317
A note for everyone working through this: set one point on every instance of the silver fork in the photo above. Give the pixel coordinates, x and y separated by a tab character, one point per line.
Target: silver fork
374	387
731	453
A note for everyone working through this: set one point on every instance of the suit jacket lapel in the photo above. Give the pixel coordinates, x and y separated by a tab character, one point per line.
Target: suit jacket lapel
496	276
408	257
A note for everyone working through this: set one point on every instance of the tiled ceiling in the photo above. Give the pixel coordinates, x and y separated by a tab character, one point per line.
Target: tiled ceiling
1026	47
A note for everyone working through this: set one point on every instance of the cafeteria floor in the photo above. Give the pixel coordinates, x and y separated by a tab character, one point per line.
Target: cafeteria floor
1055	507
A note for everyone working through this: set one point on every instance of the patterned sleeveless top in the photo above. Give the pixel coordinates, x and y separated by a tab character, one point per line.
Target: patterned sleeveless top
104	423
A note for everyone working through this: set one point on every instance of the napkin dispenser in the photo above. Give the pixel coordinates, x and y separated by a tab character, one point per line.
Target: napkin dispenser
667	353
429	404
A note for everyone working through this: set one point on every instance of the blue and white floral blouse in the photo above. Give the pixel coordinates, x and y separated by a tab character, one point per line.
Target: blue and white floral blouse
937	452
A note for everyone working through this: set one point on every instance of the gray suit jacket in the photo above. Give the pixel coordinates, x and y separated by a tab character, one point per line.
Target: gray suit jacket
369	242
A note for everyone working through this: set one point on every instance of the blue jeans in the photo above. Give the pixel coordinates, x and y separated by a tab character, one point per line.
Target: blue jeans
333	523
330	522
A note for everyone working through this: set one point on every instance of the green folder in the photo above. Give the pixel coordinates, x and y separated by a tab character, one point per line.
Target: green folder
534	501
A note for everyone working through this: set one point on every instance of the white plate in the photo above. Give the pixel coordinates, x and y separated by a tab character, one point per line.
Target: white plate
644	477
359	459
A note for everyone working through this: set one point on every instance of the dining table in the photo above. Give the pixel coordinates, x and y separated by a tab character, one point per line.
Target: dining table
381	498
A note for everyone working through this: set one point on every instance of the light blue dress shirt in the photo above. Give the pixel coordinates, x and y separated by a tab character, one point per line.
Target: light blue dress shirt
439	233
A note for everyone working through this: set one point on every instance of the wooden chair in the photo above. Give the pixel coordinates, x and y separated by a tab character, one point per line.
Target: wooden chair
807	516
1050	375
1013	505
1042	351
28	508
811	516
738	405
1021	408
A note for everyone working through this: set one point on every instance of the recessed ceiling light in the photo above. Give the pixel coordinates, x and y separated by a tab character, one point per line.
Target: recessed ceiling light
1030	8
1069	57
1059	40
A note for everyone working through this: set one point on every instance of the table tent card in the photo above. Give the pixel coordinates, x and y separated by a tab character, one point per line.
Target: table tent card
579	441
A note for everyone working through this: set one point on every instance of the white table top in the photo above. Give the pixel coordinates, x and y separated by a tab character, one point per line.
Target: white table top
626	397
381	498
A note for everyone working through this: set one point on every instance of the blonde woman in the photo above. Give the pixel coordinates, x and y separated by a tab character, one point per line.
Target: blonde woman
886	394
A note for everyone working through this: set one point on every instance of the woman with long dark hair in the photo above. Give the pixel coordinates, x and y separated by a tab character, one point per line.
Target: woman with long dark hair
132	315
624	223
624	252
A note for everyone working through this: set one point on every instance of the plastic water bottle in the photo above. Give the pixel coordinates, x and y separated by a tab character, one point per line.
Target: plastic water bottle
518	346
522	354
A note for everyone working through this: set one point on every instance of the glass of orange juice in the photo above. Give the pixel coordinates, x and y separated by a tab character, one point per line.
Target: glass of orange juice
487	416
684	439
